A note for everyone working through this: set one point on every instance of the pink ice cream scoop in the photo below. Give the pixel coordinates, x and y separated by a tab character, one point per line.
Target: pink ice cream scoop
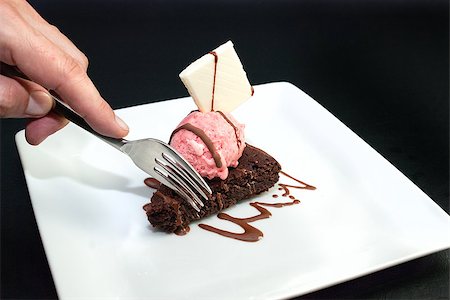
210	141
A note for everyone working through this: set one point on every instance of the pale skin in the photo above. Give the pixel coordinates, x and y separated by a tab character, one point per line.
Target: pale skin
53	62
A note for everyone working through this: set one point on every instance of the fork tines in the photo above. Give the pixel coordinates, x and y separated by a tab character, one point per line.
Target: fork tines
183	178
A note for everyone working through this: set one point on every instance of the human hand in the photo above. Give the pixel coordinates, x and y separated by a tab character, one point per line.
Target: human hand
53	62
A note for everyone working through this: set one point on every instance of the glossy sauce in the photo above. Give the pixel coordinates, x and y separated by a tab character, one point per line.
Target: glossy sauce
238	141
216	59
251	233
206	140
182	230
285	187
152	182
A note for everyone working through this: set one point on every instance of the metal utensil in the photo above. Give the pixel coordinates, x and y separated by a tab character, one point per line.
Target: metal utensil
153	156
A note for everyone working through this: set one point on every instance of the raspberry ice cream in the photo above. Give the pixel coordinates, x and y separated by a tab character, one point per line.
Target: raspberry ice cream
210	141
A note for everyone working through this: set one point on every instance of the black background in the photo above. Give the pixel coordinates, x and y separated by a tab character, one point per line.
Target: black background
381	67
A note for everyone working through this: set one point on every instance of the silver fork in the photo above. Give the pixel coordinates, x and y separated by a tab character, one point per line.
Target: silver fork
153	156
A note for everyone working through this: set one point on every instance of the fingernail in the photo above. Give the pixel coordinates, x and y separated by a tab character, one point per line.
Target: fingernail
39	104
121	123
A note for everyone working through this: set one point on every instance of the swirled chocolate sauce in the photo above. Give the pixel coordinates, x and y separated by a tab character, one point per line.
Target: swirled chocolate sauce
216	59
202	135
256	172
251	233
238	140
278	205
286	187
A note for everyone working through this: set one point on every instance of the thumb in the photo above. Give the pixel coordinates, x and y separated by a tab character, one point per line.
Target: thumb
23	99
39	104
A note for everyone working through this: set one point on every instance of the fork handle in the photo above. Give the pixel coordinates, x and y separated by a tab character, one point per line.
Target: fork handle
64	110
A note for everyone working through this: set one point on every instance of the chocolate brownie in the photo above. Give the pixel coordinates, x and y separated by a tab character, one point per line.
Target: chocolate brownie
257	172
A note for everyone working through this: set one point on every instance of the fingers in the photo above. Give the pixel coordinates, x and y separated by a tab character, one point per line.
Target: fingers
38	129
79	92
52	33
23	99
38	50
58	71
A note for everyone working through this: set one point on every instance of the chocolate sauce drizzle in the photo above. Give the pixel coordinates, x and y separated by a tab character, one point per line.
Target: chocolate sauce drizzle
152	182
286	187
238	140
216	59
251	233
202	135
182	230
206	140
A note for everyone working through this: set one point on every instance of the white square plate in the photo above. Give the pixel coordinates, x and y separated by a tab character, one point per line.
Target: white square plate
364	216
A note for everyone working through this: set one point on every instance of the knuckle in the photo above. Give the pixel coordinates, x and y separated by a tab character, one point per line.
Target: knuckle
100	107
84	61
103	106
71	71
54	29
71	68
